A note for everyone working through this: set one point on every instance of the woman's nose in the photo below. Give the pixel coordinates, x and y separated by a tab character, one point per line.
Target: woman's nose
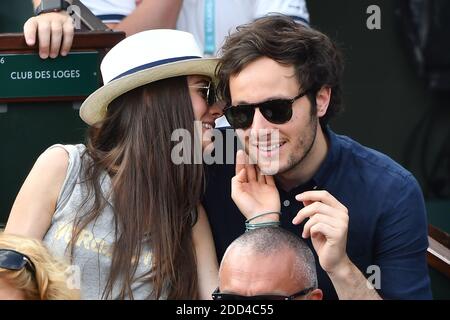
216	110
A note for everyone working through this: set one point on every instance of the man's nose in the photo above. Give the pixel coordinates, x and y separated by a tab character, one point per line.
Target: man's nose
259	122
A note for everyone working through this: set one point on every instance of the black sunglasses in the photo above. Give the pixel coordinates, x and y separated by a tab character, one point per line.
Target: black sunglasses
13	260
217	295
277	111
208	92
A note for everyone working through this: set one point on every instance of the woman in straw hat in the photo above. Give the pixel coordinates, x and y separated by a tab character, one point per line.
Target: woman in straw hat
119	207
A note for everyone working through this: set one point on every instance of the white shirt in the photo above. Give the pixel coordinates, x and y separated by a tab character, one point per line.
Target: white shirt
228	14
110	11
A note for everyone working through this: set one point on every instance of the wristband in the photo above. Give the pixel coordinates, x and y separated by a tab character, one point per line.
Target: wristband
252	226
51	6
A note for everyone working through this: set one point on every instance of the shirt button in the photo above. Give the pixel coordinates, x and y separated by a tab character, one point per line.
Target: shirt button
286	203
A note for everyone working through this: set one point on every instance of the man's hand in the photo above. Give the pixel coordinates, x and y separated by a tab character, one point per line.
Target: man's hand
327	226
253	192
55	33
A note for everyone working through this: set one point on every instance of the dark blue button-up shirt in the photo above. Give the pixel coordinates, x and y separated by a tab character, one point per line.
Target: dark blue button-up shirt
387	218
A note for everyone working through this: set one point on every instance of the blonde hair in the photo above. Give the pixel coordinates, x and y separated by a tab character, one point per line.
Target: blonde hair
48	282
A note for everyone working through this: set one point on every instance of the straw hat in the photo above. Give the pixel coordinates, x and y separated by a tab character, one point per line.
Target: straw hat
143	58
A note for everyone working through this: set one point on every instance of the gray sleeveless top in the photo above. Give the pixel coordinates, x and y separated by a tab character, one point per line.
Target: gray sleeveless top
92	253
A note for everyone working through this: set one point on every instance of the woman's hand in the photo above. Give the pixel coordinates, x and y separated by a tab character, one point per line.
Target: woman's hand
252	192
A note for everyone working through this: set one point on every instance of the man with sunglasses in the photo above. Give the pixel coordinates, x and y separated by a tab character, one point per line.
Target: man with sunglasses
268	264
362	213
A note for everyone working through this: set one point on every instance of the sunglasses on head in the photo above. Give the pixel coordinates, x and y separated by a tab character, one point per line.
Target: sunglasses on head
276	111
208	92
217	295
13	260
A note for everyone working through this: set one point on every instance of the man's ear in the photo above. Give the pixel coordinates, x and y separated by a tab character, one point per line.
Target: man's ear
316	294
323	98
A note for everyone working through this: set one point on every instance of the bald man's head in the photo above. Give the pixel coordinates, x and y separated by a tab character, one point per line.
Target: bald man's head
267	261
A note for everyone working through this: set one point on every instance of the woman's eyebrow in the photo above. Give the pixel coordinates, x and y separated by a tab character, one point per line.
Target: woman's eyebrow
202	81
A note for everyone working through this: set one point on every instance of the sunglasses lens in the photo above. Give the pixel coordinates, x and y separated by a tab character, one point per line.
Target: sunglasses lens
233	297
240	117
11	260
277	111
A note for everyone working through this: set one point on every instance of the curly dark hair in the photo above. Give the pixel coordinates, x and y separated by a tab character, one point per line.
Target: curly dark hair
316	59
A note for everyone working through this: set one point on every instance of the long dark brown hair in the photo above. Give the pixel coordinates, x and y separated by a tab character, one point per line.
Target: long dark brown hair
154	200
